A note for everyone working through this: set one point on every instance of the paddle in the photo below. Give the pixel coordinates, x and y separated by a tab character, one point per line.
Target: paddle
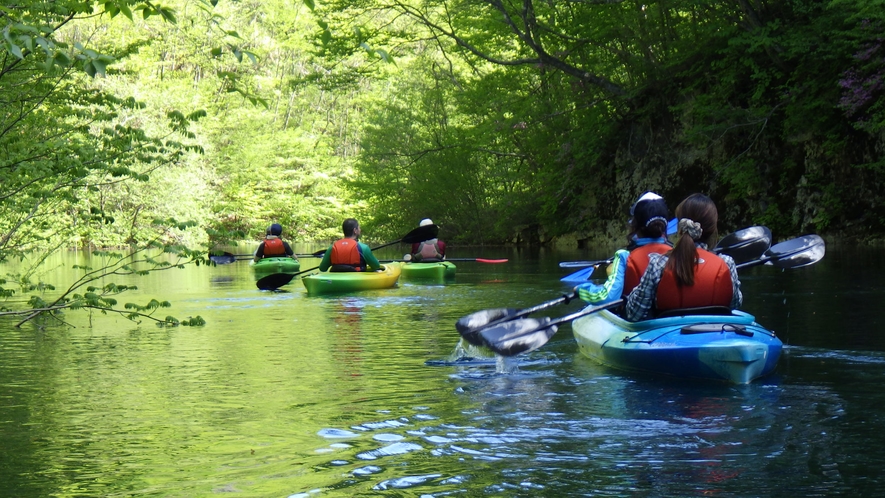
277	280
518	336
793	253
469	326
528	334
228	258
743	245
475	260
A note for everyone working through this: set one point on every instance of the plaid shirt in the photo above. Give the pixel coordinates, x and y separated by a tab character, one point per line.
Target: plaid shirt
640	302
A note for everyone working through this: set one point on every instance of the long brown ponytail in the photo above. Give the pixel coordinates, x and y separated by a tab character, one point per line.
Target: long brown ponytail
698	218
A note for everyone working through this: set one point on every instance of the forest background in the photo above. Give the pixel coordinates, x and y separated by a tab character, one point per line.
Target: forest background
195	122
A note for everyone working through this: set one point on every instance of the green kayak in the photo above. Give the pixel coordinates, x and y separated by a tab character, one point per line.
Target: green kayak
437	270
335	282
269	266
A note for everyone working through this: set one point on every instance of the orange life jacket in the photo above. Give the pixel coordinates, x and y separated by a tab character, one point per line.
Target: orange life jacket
347	252
637	262
274	247
712	286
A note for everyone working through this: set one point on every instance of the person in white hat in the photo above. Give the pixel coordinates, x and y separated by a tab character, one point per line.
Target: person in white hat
648	234
428	251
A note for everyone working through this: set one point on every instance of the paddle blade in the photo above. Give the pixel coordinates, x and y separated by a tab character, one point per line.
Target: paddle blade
468	325
421	234
518	336
796	253
746	244
223	259
274	281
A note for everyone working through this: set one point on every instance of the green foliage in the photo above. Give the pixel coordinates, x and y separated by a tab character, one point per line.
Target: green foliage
83	294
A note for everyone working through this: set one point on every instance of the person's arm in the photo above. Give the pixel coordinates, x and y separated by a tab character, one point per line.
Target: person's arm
737	298
371	261
442	248
327	259
642	298
259	253
289	251
613	286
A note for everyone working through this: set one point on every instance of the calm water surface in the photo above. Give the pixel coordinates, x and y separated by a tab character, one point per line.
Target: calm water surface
282	394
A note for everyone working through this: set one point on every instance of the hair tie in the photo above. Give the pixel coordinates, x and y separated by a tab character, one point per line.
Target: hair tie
690	227
647	223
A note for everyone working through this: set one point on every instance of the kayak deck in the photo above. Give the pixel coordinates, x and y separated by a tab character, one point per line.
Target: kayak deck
269	266
437	270
336	282
732	348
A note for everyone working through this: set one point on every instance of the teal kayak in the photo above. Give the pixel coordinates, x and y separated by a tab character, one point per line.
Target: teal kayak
438	270
270	266
728	347
326	282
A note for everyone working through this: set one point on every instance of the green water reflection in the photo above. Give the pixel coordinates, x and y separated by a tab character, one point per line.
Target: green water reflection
283	394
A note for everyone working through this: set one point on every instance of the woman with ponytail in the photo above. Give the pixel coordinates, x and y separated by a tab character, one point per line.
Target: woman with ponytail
689	276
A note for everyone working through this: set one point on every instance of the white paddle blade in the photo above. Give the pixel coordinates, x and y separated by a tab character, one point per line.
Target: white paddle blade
518	336
746	244
468	325
803	251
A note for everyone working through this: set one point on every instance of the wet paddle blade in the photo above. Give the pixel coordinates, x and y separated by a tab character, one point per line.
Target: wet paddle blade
518	336
274	281
223	259
796	253
469	326
421	234
746	244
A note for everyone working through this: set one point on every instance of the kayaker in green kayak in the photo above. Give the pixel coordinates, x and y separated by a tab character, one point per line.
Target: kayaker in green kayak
274	246
348	254
432	250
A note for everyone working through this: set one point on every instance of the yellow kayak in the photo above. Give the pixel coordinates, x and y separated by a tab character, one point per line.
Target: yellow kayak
335	282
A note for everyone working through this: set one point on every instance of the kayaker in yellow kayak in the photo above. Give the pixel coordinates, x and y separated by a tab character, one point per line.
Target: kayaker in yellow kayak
429	251
274	246
348	254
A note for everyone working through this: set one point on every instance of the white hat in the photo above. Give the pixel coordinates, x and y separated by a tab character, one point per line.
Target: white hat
648	196
425	222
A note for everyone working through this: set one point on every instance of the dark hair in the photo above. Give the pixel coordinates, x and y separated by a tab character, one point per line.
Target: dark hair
684	256
649	220
276	229
349	226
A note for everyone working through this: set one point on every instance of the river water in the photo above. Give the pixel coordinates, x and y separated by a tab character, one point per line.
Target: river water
281	394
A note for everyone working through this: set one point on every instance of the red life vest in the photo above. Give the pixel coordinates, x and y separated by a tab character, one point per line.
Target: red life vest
712	286
347	252
274	247
637	262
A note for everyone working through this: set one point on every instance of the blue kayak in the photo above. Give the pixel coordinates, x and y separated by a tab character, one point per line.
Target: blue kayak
728	347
